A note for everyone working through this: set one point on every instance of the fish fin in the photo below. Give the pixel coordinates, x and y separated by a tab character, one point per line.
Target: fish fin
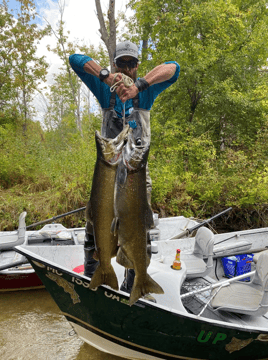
101	277
140	289
123	260
89	215
121	174
114	251
149	218
114	226
148	259
96	255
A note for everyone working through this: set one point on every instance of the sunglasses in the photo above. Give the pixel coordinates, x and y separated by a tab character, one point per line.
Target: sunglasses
126	63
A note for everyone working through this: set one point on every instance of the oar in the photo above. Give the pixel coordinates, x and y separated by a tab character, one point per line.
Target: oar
187	232
55	217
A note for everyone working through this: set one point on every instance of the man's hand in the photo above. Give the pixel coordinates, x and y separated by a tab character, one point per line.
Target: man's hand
124	93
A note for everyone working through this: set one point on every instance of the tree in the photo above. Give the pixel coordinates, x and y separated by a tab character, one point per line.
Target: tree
68	96
63	49
28	70
21	71
108	31
221	50
7	89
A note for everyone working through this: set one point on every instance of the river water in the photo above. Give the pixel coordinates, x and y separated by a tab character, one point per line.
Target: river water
32	328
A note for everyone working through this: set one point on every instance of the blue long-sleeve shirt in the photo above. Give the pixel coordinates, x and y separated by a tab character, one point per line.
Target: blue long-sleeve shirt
102	90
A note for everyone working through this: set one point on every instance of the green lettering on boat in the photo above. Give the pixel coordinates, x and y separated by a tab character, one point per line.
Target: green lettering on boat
219	337
200	337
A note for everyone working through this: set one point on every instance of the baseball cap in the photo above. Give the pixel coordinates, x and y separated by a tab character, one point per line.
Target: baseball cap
126	48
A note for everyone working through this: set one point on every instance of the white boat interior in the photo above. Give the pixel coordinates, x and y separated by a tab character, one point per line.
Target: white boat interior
208	295
165	229
57	234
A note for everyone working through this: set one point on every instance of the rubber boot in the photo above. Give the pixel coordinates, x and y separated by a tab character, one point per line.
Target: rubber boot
90	264
128	280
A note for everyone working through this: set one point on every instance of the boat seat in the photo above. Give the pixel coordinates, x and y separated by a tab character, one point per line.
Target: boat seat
246	298
257	255
237	247
196	266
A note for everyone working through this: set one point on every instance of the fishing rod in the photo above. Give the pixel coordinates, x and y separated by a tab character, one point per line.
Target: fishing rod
55	218
187	232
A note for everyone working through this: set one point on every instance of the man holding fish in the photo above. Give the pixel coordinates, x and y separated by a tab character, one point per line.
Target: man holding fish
129	104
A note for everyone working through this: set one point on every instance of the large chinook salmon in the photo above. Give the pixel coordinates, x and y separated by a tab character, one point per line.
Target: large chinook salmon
133	218
100	208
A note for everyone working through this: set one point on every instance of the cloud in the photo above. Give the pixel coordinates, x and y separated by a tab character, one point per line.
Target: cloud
80	20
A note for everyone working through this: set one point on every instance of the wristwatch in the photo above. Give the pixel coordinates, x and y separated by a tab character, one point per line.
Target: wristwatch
104	73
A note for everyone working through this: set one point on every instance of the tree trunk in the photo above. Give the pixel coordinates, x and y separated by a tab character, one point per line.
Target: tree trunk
222	135
144	49
65	57
108	36
195	96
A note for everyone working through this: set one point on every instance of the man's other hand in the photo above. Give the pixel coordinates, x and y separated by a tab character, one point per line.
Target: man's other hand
126	93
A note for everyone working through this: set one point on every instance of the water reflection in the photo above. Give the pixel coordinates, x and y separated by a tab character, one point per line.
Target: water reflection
32	327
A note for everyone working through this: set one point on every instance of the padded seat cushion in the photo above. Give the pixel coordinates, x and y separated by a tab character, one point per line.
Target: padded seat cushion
247	297
194	263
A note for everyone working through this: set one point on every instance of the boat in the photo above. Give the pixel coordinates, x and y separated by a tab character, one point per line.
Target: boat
17	274
203	313
15	271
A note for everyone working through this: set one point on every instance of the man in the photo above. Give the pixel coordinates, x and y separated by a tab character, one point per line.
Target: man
126	104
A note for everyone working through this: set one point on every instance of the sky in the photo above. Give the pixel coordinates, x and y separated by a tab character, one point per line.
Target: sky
80	19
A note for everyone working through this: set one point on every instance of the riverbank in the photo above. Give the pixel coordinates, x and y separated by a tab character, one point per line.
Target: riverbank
42	204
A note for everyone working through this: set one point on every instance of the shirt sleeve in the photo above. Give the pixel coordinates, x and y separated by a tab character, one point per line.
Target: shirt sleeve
148	96
98	88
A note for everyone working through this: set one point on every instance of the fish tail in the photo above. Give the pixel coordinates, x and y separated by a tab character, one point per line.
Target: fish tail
141	288
101	277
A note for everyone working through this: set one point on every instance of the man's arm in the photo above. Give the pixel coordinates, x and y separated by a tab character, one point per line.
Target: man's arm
91	67
159	74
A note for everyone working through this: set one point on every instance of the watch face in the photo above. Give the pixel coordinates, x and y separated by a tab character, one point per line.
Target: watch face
104	72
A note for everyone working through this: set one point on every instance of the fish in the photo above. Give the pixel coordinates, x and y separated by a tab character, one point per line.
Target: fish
100	208
134	218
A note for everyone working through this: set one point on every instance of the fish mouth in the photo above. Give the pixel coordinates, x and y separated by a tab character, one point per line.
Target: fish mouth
111	149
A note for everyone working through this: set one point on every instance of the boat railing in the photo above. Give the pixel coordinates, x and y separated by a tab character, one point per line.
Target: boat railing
219	284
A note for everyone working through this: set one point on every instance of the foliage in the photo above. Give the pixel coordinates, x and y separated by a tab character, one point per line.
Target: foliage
222	51
48	173
209	129
21	71
67	94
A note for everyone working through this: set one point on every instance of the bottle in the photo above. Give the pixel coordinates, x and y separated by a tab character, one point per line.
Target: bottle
177	262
